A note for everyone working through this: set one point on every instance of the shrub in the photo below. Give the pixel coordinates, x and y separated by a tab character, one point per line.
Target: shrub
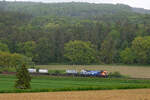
56	71
115	74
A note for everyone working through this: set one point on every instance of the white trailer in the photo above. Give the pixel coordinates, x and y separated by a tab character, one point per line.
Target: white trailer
71	72
43	71
31	70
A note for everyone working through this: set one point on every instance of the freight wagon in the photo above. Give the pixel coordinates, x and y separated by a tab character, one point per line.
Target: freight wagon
38	71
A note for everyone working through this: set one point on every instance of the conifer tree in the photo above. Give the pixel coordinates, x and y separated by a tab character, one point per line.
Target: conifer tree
23	77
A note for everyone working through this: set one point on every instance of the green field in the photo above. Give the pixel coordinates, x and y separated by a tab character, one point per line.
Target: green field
135	71
46	84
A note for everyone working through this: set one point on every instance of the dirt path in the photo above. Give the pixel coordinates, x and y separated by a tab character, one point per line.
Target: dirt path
137	94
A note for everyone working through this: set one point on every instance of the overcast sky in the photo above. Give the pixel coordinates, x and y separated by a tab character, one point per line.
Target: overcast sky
134	3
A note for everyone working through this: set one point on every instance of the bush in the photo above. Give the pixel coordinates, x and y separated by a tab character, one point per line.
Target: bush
115	74
56	71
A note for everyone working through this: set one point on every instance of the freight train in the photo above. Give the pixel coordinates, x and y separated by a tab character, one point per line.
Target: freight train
101	73
82	73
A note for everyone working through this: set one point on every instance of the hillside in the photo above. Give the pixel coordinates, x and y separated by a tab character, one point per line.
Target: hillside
72	9
42	32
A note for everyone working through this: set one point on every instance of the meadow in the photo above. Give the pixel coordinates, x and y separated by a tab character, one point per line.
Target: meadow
134	71
53	84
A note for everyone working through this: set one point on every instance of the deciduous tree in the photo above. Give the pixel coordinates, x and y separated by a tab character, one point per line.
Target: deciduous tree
80	52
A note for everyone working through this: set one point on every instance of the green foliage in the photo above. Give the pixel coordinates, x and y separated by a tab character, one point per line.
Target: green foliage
43	51
23	78
116	75
79	52
108	48
13	60
56	71
141	47
127	56
5	69
40	31
138	53
4	47
27	48
5	59
83	10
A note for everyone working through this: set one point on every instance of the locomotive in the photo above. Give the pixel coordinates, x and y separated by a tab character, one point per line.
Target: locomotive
101	73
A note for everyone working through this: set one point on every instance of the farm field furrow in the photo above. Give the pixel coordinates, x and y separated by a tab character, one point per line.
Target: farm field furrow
136	94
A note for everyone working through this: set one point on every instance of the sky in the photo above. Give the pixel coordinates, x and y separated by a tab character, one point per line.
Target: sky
134	3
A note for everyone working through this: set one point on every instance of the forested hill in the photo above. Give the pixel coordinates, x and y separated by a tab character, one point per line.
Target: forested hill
141	10
72	9
75	33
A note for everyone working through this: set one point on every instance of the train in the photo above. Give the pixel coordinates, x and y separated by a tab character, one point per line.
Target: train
82	73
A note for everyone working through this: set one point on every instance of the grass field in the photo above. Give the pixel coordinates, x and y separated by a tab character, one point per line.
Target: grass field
137	94
132	71
47	84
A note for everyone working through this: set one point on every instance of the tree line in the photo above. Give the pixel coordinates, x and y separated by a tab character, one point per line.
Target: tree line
120	37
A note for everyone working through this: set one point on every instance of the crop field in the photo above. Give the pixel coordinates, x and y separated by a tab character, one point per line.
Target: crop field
137	94
52	84
132	71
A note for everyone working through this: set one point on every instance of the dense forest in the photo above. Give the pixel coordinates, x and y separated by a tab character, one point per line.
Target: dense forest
74	33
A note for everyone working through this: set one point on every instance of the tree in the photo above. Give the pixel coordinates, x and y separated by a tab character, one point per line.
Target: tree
108	50
41	31
27	48
139	51
23	77
80	52
127	56
13	60
4	47
5	59
18	59
141	47
43	51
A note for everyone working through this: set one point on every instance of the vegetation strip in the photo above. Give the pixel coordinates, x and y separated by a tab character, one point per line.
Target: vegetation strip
54	84
73	89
